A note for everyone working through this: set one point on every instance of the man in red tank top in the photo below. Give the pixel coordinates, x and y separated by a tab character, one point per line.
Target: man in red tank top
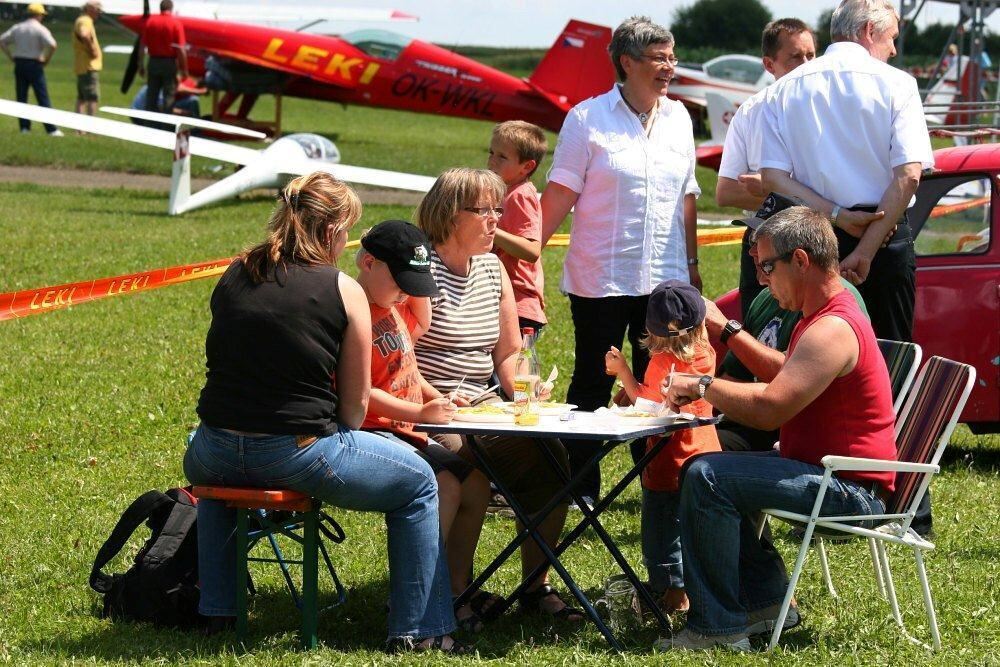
830	395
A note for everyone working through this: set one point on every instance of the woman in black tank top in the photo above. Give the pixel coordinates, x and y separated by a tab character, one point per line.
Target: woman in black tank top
288	375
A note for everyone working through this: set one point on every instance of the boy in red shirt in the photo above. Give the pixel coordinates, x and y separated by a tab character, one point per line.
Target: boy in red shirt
516	150
678	343
393	264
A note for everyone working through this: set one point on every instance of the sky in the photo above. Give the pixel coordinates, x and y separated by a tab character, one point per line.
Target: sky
536	23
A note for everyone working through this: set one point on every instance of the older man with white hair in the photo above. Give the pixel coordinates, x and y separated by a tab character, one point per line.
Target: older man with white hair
851	129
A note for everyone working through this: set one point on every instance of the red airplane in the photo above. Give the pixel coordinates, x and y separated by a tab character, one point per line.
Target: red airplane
383	69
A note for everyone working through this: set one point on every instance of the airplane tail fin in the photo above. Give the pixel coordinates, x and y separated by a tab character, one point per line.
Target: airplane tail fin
720	113
576	67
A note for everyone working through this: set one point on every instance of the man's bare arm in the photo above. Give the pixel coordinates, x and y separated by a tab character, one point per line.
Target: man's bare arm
730	192
895	199
827	350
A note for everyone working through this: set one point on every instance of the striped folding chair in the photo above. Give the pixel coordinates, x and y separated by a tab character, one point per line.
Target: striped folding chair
923	430
902	360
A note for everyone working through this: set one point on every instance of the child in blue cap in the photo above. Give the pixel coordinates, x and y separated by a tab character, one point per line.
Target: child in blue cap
678	343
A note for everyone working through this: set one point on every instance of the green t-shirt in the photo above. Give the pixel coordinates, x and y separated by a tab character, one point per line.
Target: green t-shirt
772	325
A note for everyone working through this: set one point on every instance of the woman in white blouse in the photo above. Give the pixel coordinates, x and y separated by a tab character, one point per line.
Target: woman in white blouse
625	160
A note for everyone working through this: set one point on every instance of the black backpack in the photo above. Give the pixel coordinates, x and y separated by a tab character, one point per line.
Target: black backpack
161	587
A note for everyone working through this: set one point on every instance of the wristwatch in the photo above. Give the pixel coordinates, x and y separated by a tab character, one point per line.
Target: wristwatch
692	261
732	327
703	383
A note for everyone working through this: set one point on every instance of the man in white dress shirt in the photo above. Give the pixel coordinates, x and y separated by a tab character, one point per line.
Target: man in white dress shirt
851	129
785	44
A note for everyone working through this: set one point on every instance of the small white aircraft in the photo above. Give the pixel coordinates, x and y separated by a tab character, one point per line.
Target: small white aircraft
289	156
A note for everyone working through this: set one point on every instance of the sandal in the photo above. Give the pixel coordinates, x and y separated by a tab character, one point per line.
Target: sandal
531	602
411	645
483	607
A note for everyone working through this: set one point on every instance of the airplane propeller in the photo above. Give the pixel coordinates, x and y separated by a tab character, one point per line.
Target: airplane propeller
133	60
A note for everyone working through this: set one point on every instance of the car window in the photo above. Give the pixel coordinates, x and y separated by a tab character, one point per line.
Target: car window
957	217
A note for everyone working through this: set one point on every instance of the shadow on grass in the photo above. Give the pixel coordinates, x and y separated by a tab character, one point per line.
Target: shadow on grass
977	459
357	626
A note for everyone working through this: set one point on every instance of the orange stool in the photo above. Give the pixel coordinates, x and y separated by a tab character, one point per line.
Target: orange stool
307	515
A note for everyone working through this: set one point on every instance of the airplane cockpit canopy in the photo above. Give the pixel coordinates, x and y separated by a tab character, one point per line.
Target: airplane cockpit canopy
316	147
378	43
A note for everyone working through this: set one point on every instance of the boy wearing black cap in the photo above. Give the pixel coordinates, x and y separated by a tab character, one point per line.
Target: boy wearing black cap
393	265
678	343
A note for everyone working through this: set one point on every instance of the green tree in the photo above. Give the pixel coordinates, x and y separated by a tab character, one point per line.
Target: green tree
822	29
731	24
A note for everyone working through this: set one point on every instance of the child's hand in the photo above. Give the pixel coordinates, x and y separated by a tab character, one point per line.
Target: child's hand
614	361
437	411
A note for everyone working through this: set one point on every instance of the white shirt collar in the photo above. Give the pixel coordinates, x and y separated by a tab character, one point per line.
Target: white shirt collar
616	99
848	48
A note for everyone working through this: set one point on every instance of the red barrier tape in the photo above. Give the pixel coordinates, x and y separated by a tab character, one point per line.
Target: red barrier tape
15	305
46	299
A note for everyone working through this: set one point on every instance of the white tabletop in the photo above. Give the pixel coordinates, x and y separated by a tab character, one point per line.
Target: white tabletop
581	426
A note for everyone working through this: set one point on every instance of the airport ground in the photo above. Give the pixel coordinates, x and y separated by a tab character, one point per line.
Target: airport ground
95	402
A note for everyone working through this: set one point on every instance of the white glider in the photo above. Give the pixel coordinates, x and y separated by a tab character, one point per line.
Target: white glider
272	167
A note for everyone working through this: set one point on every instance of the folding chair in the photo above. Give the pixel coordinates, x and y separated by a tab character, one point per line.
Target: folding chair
923	430
902	360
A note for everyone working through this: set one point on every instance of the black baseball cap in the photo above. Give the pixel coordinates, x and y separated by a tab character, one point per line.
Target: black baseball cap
772	204
674	301
406	251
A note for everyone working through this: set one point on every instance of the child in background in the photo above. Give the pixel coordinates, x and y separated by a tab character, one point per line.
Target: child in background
393	265
516	150
677	341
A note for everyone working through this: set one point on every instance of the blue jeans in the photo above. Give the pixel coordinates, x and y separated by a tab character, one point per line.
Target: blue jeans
31	73
661	540
727	570
349	469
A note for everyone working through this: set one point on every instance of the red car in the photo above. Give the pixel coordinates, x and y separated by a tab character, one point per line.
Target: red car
956	220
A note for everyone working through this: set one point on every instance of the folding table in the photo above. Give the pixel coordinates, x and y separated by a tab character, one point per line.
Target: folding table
580	426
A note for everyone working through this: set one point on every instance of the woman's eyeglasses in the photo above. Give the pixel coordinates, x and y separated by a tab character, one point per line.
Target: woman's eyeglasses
484	211
659	60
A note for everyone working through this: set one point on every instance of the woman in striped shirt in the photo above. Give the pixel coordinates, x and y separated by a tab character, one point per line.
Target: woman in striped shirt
474	333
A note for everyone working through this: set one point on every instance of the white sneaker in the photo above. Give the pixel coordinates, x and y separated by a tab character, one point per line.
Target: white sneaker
762	620
56	133
25	130
689	640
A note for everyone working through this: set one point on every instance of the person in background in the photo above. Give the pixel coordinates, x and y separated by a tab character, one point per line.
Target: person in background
516	151
879	155
163	38
785	44
677	342
30	46
625	160
393	269
288	358
87	58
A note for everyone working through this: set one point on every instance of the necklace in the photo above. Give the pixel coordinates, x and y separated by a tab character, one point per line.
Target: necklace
643	116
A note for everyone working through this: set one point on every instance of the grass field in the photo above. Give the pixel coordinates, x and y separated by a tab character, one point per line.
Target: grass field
95	403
